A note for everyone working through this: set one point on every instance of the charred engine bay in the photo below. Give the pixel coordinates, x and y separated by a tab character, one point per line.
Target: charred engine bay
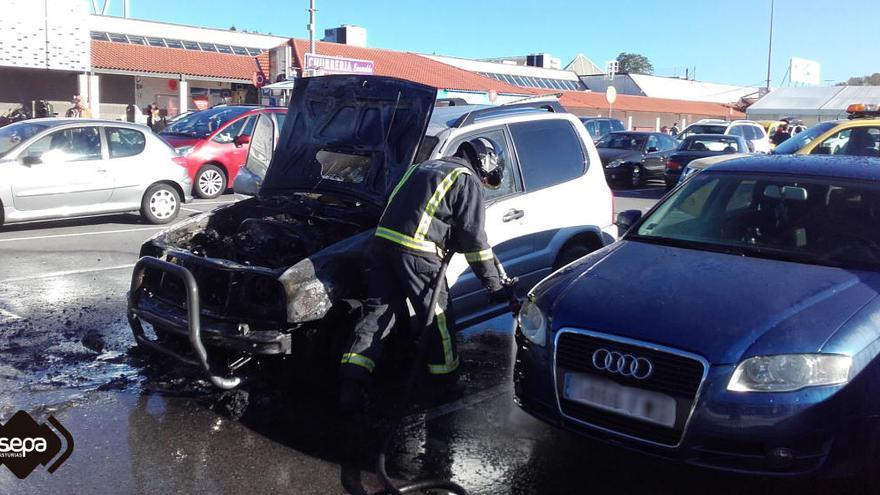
274	232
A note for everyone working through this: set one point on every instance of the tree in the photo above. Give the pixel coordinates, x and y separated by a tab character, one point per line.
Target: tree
872	80
232	28
633	63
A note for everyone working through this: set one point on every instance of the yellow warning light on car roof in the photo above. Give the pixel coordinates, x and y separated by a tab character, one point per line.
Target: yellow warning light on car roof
862	108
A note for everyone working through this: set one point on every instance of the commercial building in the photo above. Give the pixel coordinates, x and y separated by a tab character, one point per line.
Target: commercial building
53	49
671	88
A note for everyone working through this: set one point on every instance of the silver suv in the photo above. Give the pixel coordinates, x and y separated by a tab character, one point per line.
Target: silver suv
281	273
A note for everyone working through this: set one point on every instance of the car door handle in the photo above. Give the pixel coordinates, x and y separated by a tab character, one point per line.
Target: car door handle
512	214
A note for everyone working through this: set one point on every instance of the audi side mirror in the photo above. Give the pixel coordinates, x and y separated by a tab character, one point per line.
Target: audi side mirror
30	160
652	149
241	140
626	219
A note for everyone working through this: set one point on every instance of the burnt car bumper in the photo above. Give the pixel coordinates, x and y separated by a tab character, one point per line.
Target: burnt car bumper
187	323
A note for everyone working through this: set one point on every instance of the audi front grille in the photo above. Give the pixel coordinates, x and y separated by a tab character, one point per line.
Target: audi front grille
673	373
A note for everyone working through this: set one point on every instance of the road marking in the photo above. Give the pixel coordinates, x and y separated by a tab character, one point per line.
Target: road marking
65	273
463	403
190	209
6	316
213	202
77	234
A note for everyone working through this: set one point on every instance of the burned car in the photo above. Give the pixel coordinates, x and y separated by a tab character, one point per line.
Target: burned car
283	272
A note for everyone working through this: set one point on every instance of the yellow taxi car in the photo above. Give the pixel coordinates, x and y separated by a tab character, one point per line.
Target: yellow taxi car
858	136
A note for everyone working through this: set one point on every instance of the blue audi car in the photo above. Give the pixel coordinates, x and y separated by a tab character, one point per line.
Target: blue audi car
735	326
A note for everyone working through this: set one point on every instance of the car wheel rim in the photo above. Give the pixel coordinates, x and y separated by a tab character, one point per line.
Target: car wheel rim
210	182
163	204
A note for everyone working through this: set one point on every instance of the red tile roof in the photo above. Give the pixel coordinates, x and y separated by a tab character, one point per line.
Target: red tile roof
573	100
141	58
410	66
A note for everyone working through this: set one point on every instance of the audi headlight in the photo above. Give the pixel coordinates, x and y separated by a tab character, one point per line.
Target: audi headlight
789	372
532	323
184	150
614	163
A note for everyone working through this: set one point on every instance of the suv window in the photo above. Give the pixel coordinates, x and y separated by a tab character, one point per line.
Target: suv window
616	125
549	152
652	143
511	183
68	145
604	127
737	130
124	142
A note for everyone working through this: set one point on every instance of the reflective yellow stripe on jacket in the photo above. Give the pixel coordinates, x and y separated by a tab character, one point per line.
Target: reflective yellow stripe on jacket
477	256
406	241
358	359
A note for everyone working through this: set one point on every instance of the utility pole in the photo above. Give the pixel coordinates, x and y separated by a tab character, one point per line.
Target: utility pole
770	46
312	11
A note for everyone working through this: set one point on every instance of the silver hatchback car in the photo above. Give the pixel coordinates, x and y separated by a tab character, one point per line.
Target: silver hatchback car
59	168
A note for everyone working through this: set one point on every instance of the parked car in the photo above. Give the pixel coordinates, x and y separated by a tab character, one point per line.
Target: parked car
751	131
283	273
632	158
215	143
733	327
598	127
699	146
700	164
58	168
857	136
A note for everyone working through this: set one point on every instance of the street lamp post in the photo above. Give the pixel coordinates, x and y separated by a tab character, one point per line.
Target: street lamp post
770	46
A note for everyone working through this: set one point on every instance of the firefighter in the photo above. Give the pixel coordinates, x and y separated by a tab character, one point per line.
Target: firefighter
436	206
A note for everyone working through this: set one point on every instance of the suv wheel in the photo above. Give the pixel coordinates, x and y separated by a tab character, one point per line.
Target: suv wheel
210	182
160	204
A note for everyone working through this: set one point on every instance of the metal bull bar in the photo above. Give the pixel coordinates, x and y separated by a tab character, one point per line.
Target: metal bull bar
193	318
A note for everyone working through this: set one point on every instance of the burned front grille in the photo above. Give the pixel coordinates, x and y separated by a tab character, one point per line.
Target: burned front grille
674	374
224	292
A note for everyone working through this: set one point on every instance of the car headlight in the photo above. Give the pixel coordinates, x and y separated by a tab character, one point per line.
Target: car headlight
789	372
532	323
184	150
614	163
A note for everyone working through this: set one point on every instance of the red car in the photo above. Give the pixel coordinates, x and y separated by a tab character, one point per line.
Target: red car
215	143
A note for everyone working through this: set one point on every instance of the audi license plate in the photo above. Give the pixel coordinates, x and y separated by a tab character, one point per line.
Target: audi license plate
628	401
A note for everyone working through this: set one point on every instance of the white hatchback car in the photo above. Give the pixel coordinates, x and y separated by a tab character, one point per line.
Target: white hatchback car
59	168
751	131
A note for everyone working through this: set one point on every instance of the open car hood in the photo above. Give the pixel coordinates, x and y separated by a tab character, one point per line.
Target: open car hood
349	134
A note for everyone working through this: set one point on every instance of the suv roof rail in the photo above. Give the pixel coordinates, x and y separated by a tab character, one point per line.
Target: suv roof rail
450	102
530	106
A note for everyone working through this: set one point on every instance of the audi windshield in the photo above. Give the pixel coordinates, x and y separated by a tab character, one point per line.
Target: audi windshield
814	220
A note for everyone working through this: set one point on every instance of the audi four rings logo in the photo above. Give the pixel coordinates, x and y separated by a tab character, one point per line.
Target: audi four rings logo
622	364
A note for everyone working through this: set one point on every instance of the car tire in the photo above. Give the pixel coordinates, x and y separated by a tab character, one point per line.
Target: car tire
161	204
637	178
210	182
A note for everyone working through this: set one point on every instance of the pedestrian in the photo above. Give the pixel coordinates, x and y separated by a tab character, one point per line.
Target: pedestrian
673	131
78	110
437	206
664	130
153	116
781	135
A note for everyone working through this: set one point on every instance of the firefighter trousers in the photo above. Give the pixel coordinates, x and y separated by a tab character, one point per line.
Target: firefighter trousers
394	278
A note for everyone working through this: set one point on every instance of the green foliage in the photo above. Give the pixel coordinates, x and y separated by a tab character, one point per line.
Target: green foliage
633	63
872	80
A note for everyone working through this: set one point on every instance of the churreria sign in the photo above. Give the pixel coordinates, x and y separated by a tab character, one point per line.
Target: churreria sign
24	444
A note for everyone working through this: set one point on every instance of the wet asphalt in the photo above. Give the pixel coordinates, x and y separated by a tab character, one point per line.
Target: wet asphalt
141	425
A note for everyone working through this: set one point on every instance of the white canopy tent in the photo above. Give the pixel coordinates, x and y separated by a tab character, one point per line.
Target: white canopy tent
812	104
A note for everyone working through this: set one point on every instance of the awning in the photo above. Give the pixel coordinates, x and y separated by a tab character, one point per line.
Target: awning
280	85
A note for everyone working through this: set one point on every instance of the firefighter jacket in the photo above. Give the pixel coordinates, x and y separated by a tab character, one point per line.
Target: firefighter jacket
438	206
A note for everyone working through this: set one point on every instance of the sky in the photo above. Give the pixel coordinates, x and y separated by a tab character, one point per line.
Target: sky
725	41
